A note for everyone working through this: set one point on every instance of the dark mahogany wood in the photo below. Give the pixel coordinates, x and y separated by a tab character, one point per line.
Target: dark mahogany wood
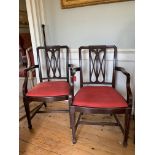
53	72
97	67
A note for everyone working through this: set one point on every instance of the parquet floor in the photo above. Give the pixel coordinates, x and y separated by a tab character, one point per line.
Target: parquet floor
51	135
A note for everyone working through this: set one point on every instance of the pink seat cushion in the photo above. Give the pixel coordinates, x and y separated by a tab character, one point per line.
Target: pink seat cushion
51	88
99	96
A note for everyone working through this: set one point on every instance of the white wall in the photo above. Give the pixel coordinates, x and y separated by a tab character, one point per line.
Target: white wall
98	24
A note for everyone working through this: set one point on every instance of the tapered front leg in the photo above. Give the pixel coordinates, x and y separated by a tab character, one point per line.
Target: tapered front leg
27	110
72	114
70	118
126	127
45	104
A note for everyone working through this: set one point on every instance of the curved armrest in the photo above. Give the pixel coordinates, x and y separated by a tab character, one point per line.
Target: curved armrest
26	78
122	70
129	93
30	68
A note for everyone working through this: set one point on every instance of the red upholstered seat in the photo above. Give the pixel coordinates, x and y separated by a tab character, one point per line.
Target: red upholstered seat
51	88
99	96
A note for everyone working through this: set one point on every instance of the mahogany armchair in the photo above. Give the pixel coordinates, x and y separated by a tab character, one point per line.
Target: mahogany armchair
97	93
54	80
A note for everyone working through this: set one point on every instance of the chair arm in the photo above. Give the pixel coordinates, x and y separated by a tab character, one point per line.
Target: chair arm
122	70
26	78
30	68
129	93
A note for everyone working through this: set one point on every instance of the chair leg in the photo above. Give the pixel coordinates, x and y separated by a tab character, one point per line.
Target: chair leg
72	116
27	110
45	104
126	129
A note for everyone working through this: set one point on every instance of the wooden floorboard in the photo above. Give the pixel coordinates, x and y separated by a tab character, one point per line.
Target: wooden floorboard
51	135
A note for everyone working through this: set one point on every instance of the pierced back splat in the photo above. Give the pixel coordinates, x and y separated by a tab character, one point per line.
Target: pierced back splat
56	58
97	64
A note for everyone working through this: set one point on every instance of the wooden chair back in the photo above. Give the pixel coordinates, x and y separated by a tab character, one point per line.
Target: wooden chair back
55	59
97	64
